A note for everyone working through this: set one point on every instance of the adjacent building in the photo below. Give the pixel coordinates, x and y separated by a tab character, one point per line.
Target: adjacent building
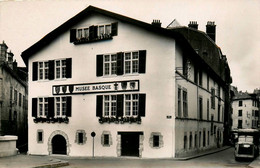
13	98
104	84
245	110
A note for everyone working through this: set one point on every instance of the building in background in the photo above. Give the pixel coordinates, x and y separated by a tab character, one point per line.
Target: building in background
245	110
13	98
136	89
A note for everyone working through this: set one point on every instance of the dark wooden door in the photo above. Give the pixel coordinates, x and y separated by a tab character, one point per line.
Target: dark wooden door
59	145
130	144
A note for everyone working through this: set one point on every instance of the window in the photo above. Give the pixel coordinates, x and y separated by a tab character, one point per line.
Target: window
40	136
240	112
131	62
43	107
207	109
121	63
60	69
195	140
11	96
212	98
179	102
208	138
80	137
121	106
185	103
185	142
15	97
239	124
200	108
204	138
240	103
61	106
49	70
43	70
200	78
131	104
199	139
110	105
211	124
156	140
106	139
93	33
253	113
110	64
20	99
190	140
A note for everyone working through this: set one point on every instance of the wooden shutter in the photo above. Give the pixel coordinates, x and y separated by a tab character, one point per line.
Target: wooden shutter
51	107
99	65
34	107
141	107
73	35
95	32
114	28
51	69
99	108
68	67
69	107
35	71
142	61
120	63
120	105
91	32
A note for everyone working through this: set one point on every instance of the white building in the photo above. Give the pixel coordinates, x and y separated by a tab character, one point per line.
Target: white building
245	111
118	77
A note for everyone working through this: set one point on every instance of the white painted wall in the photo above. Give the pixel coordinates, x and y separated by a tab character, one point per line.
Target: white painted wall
157	83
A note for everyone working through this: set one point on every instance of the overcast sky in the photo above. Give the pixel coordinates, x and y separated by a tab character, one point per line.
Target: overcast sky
22	23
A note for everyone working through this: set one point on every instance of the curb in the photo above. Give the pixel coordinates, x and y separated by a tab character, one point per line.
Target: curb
203	154
57	163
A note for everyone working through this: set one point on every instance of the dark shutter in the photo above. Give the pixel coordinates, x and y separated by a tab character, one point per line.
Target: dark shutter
120	63
68	67
73	35
99	107
141	107
51	107
99	64
34	107
35	71
142	61
91	32
51	69
68	114
120	105
95	32
114	29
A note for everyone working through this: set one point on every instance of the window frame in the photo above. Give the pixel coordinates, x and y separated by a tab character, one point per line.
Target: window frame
38	136
185	102
131	61
133	112
61	67
110	105
44	69
61	105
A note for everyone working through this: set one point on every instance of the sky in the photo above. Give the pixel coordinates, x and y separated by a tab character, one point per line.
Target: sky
23	23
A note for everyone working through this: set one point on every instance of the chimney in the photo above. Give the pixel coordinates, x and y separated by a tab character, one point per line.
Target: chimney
3	52
15	65
211	30
193	24
10	56
157	23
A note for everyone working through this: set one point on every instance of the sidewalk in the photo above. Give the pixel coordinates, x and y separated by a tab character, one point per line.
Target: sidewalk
255	163
35	161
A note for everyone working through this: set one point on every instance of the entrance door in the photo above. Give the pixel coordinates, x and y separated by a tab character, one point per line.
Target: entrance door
130	144
59	145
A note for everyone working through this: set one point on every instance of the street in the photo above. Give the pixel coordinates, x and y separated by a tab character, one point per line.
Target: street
220	159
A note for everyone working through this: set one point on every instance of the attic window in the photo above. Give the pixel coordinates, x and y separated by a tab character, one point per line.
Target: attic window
93	33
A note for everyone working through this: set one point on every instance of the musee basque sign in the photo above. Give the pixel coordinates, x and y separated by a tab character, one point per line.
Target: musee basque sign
118	86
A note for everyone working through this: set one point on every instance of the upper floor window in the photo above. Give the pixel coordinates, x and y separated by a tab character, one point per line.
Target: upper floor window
128	105
185	102
212	98
43	70
50	107
93	33
52	69
240	103
60	69
240	112
121	63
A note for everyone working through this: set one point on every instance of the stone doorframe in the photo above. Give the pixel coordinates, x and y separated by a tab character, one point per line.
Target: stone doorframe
58	132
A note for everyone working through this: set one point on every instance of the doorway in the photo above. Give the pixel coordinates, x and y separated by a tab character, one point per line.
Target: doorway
130	144
59	145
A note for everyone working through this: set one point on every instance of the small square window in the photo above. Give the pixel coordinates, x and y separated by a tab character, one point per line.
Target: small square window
40	136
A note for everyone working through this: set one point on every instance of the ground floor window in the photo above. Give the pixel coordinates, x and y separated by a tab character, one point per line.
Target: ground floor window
190	140
40	136
80	137
106	139
156	140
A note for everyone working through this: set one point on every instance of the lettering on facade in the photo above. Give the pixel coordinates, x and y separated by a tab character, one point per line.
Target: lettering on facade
132	85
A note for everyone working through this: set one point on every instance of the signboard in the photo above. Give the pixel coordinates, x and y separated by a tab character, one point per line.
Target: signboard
118	86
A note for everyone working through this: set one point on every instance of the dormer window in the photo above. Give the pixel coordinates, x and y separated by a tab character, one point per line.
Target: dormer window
93	33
